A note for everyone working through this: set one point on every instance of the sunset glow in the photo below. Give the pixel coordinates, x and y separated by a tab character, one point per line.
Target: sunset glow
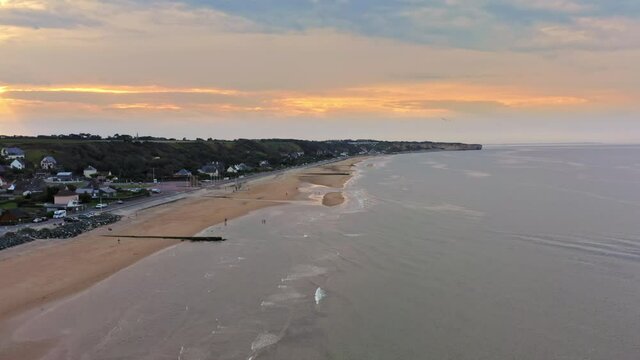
232	67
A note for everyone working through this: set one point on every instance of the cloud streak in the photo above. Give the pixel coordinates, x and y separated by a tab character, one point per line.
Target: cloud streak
331	61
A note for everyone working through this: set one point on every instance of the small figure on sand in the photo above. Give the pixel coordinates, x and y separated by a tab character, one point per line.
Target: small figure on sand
225	221
264	221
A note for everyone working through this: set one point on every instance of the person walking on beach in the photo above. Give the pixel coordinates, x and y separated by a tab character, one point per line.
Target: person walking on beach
225	221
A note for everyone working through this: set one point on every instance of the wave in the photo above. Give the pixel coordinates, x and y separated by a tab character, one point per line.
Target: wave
304	271
319	295
263	340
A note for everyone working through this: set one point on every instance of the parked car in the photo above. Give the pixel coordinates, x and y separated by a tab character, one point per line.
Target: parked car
101	206
119	202
71	219
59	214
156	191
39	219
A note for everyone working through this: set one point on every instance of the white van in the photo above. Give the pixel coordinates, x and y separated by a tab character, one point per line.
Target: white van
59	214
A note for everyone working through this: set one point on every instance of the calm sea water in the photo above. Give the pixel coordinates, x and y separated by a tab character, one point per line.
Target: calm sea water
505	253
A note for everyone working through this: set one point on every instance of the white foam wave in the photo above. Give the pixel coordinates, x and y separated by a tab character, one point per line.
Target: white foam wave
284	297
303	271
263	340
358	200
352	235
476	174
450	208
319	295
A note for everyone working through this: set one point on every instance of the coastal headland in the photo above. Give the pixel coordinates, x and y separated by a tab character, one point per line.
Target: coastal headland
46	270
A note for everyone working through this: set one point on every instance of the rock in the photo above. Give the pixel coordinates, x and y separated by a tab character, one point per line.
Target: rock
65	231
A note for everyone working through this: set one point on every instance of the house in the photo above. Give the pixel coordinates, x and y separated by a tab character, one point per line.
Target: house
18	164
3	182
89	191
182	173
242	167
210	170
215	168
107	191
64	176
48	163
66	198
12	153
89	171
264	164
14	216
32	185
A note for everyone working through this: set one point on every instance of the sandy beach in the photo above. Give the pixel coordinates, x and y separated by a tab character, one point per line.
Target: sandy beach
44	271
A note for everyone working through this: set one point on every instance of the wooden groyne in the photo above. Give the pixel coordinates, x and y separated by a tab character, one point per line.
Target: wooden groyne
182	238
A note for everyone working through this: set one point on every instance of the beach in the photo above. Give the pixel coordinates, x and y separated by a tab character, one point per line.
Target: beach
45	271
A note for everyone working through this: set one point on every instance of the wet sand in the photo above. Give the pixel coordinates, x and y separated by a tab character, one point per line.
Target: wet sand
333	199
44	271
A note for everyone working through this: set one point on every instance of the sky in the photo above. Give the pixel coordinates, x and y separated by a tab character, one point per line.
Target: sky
488	71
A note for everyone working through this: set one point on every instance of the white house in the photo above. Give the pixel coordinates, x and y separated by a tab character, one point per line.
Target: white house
18	164
89	171
12	153
264	164
48	163
234	169
210	170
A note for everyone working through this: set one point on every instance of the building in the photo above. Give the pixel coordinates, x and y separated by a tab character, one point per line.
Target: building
215	168
3	182
89	171
64	176
182	173
90	191
12	153
18	164
265	164
48	163
14	216
66	198
107	192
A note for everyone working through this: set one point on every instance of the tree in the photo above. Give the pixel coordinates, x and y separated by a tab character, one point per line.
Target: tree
50	192
85	198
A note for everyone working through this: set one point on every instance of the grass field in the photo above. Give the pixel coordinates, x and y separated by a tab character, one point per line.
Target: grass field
8	205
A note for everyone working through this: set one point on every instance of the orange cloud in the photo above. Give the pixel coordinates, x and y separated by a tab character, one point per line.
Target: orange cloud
97	89
144	106
432	99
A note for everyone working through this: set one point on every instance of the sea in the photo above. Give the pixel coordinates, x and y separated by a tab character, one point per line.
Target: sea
512	252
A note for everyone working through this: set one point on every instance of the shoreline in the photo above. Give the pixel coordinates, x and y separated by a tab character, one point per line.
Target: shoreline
41	272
